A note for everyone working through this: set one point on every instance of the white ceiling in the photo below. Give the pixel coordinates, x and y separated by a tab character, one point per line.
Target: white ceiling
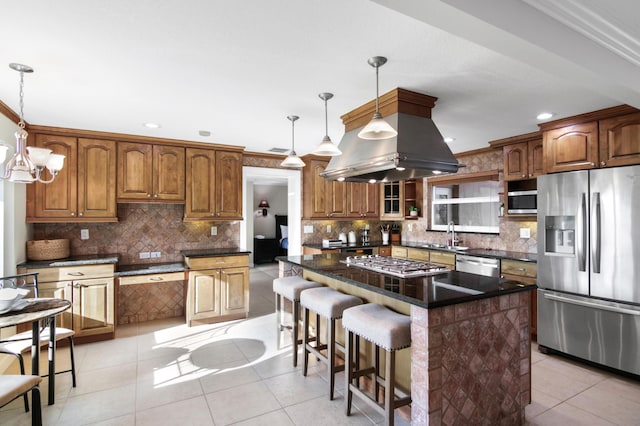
238	69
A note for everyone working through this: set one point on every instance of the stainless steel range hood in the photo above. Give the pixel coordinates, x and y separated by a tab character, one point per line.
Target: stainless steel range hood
419	150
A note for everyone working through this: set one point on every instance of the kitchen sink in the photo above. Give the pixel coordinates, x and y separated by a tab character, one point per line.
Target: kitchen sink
445	247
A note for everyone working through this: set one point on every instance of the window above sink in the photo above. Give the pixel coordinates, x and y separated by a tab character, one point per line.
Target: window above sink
471	201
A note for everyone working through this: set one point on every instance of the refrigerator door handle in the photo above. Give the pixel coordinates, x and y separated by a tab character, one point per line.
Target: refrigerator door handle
581	234
595	232
592	305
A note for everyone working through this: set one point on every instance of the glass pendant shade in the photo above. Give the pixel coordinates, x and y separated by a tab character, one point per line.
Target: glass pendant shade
293	160
326	147
377	128
3	153
39	156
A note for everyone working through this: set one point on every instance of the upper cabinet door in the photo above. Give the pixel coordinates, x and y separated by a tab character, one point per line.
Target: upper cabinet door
228	185
168	173
620	141
571	147
315	188
96	178
135	164
58	199
200	201
516	161
536	158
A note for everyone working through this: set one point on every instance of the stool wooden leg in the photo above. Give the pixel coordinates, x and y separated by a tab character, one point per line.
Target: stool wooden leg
348	369
390	387
305	341
331	349
376	373
296	315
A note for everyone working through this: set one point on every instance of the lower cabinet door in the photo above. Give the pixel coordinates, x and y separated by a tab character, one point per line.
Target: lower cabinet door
93	306
203	295
235	290
60	290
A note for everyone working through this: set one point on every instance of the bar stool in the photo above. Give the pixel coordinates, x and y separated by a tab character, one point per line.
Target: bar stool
384	328
330	304
290	288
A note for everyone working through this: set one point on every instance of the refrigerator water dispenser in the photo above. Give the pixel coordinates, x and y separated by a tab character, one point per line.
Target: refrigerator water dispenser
559	235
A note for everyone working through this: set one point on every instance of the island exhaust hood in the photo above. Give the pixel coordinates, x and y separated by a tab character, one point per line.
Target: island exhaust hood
419	150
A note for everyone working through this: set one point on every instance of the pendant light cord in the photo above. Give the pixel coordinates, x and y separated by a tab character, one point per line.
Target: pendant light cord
21	123
377	89
326	119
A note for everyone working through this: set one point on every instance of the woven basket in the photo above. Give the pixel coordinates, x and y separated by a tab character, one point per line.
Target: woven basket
47	249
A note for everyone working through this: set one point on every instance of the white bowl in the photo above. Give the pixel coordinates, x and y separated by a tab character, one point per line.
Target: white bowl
10	296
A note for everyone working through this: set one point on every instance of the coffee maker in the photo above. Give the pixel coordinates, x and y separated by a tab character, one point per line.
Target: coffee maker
365	236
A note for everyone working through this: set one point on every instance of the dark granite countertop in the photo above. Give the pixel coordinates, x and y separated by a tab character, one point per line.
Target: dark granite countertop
79	260
482	252
213	252
444	289
150	268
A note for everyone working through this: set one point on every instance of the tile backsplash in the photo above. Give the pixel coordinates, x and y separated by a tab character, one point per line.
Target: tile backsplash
143	228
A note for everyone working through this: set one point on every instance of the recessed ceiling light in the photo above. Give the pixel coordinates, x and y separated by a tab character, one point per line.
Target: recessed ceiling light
204	133
151	125
544	115
449	140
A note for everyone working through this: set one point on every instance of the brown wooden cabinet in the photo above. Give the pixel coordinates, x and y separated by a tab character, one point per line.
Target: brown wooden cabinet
526	273
84	190
218	289
572	147
524	160
323	199
620	140
150	173
214	185
91	290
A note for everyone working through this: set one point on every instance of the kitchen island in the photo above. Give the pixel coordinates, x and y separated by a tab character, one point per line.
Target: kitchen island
469	361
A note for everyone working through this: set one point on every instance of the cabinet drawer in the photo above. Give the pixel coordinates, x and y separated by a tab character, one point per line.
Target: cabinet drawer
69	273
417	254
398	252
217	262
517	267
152	278
442	258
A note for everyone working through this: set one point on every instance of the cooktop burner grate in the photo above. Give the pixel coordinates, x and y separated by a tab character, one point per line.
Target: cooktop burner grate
404	268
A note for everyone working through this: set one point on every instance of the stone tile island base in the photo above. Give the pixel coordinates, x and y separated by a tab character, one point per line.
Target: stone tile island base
471	362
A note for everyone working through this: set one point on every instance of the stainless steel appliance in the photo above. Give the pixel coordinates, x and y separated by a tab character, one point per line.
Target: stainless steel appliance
478	265
404	268
589	265
522	202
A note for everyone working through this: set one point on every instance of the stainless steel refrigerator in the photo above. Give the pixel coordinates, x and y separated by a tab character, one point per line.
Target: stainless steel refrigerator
589	265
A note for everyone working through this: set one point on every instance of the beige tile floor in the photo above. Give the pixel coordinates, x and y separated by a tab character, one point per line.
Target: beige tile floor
164	373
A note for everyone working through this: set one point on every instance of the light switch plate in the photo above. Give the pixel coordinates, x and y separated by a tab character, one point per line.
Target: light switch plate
308	229
155	255
84	234
214	230
145	255
525	232
328	229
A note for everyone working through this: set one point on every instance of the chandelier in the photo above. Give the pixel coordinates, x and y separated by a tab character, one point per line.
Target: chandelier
28	163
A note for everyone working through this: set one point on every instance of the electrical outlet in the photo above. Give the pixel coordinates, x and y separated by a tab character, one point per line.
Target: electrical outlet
410	226
84	234
145	255
155	255
308	229
366	226
525	232
328	229
214	230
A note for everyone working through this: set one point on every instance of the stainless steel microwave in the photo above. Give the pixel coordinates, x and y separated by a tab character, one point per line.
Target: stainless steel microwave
522	202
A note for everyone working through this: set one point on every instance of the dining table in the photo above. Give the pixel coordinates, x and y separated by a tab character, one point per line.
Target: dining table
40	312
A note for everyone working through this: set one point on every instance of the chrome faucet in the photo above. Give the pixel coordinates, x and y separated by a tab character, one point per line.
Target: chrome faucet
451	228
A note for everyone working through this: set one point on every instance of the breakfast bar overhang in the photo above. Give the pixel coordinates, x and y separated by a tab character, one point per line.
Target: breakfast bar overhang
470	355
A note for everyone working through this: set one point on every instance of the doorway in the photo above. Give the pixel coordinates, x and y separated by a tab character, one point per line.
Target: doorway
265	176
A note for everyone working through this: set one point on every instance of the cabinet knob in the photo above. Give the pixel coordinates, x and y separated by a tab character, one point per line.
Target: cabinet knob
218	214
73	214
80	214
593	164
530	174
603	163
148	195
155	196
524	175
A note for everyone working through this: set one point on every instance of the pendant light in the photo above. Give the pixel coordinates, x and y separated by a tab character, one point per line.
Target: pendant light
326	147
377	128
28	162
292	160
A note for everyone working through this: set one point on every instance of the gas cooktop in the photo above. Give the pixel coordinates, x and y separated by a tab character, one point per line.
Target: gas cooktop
403	268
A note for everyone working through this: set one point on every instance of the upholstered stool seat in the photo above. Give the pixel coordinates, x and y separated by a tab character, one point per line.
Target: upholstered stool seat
290	288
385	329
330	304
14	386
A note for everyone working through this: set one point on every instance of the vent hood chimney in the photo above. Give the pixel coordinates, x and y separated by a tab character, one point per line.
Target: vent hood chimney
419	150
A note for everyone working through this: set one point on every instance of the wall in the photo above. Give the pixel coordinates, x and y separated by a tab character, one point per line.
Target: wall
143	227
416	230
277	198
15	232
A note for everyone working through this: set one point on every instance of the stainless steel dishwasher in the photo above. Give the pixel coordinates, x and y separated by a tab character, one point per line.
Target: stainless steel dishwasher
478	265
